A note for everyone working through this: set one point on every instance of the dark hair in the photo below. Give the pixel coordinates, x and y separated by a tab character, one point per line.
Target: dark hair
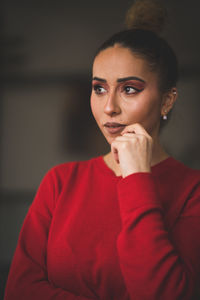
151	47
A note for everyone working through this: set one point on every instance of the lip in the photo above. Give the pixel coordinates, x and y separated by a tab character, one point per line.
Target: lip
114	128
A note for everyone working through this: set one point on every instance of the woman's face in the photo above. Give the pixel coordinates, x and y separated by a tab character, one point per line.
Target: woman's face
124	92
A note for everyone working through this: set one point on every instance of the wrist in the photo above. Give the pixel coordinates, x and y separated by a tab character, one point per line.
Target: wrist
134	171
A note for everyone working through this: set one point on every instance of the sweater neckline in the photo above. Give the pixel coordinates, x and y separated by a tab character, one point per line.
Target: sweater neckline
156	169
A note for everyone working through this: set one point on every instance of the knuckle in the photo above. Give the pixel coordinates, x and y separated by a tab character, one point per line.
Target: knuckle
142	138
124	145
113	144
150	139
134	140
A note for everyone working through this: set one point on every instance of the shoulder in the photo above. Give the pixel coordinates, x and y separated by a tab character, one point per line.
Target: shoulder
185	173
177	179
176	172
59	178
187	183
65	172
178	186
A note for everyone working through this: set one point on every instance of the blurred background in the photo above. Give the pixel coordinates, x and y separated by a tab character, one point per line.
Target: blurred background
47	49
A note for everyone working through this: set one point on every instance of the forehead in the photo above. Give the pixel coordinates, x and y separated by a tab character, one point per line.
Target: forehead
118	62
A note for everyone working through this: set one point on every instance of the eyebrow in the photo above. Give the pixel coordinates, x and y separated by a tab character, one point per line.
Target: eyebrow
120	79
130	78
99	79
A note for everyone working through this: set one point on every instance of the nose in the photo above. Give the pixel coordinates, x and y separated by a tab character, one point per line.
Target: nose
112	106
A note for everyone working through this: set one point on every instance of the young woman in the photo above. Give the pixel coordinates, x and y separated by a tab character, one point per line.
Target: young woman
125	225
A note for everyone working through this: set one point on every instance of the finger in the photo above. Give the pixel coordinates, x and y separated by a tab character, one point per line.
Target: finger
135	128
126	137
129	134
115	152
129	137
131	131
132	139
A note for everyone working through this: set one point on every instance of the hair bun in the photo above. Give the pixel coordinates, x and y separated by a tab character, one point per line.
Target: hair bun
147	15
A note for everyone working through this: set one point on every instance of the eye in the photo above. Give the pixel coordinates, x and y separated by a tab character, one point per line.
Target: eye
99	89
129	90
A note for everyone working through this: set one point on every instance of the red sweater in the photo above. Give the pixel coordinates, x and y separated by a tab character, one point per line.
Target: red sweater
92	235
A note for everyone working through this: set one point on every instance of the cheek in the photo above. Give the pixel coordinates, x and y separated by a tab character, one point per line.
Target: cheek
145	111
151	116
94	107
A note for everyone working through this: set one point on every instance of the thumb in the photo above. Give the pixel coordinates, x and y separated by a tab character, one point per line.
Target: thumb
114	152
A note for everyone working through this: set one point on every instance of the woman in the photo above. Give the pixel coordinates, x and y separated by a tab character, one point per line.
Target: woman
125	225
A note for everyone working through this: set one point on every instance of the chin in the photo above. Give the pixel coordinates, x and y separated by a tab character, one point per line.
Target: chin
110	139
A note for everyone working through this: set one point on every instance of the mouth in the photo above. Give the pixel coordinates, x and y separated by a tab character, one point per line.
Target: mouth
114	128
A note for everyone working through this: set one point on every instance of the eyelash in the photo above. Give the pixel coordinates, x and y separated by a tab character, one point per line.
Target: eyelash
131	87
98	86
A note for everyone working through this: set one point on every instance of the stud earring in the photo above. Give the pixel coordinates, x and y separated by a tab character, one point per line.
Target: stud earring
165	115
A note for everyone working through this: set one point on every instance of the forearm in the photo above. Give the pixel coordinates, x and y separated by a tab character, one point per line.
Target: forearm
36	290
151	265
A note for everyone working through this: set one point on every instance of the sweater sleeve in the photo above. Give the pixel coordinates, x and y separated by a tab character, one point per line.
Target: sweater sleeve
28	276
155	263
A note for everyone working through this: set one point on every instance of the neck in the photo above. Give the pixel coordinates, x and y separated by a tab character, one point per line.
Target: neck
158	155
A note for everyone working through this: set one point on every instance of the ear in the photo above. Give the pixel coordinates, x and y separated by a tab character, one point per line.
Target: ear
169	98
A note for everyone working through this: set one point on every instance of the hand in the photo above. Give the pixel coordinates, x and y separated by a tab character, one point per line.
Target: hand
133	150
